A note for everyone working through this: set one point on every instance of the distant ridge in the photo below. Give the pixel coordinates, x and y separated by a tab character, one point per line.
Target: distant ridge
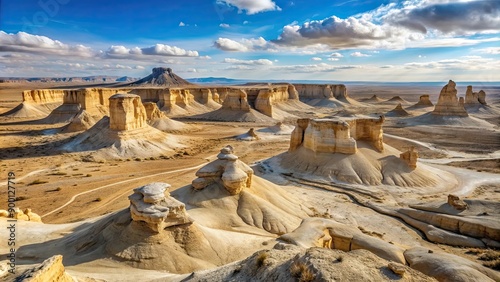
161	77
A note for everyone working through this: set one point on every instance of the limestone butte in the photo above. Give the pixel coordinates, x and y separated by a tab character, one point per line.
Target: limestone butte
423	101
448	103
474	98
410	157
126	112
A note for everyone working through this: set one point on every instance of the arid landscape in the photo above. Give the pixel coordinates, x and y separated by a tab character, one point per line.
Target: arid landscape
237	140
164	180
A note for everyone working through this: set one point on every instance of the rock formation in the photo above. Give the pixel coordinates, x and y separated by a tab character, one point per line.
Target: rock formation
321	91
43	96
234	174
337	136
161	77
410	157
150	205
423	101
51	269
236	100
126	112
397	112
26	215
249	136
456	203
82	121
448	104
474	98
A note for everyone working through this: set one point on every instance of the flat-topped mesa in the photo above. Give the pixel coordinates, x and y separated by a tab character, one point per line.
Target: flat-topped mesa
336	135
126	112
410	157
448	103
321	91
474	98
234	174
150	205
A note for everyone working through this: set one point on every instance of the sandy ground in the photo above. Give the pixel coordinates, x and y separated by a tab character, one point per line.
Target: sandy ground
65	188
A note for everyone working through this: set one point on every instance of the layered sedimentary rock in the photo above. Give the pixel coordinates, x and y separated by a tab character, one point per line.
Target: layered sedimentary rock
51	269
337	136
43	96
410	157
234	174
153	205
321	91
398	112
474	98
448	104
424	101
236	100
152	111
126	112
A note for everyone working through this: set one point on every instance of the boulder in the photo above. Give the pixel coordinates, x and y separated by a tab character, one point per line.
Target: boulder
410	157
51	269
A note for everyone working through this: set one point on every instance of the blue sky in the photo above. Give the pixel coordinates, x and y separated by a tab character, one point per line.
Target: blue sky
346	40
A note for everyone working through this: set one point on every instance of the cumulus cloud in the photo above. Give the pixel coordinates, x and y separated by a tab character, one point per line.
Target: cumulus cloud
244	45
28	43
158	49
316	59
463	63
251	6
248	62
223	25
182	24
336	55
333	59
359	54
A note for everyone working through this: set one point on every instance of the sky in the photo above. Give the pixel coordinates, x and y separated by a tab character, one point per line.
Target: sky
345	40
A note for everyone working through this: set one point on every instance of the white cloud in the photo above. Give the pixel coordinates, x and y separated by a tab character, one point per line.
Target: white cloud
252	6
223	25
244	45
227	44
336	55
248	62
333	59
359	54
157	49
182	24
464	63
316	59
246	22
491	50
27	43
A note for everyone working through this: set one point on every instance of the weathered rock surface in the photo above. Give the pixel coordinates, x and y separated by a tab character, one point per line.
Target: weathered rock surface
235	174
397	112
447	267
126	112
80	122
52	269
43	96
19	214
474	98
326	233
337	136
424	101
448	103
161	76
149	204
321	91
410	157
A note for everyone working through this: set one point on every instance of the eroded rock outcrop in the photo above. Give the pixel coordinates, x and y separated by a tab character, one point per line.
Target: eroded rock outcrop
234	174
26	215
448	104
153	205
410	157
161	76
397	112
474	98
126	112
424	101
321	91
337	136
51	269
43	96
456	203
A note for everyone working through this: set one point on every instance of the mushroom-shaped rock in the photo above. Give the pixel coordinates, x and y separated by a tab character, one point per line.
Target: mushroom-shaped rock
234	174
149	204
